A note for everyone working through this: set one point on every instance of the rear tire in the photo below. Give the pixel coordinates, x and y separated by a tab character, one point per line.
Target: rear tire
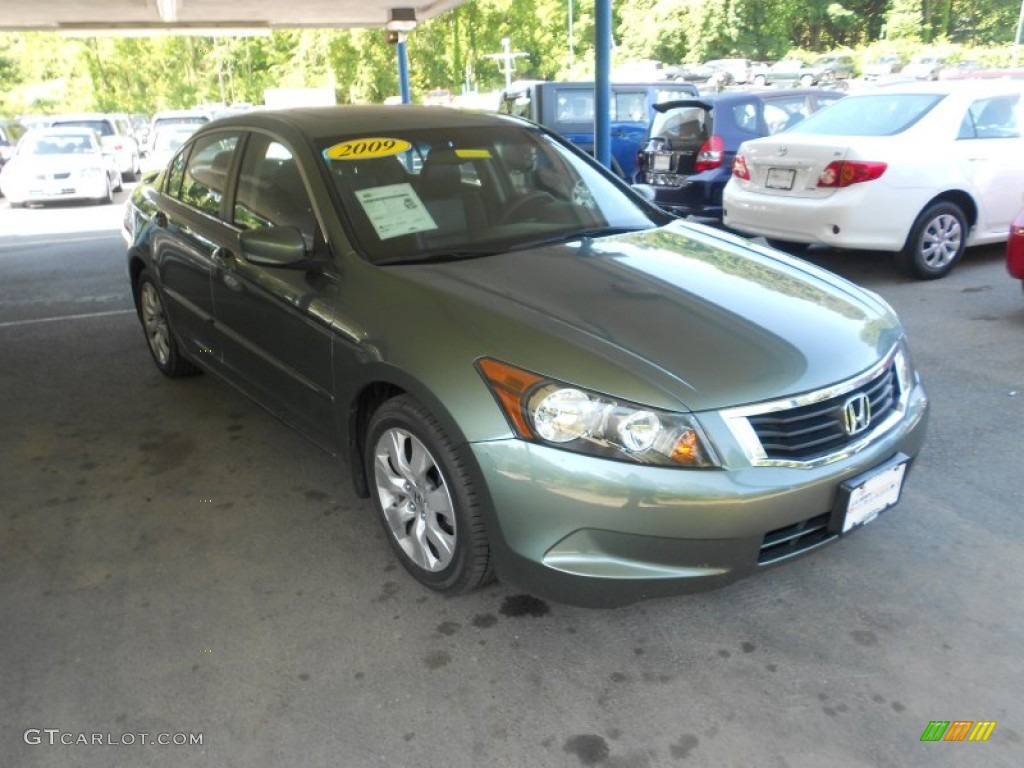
426	499
159	335
936	242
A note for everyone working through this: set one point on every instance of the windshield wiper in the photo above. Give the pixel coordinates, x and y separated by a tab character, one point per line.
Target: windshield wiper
434	257
568	237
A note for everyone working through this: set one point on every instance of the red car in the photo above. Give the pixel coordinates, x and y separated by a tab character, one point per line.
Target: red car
1015	247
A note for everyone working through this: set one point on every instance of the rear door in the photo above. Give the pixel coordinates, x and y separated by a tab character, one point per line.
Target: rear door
990	152
188	231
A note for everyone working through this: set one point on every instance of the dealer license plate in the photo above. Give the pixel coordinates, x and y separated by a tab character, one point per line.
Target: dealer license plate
780	178
873	494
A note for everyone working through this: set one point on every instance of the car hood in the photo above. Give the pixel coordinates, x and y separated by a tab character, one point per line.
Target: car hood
704	318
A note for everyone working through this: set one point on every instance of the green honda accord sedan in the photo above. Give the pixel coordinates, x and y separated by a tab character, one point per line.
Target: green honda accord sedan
532	372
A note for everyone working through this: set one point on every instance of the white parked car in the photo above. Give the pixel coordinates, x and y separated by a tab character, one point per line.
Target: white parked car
115	134
919	169
164	142
925	67
52	164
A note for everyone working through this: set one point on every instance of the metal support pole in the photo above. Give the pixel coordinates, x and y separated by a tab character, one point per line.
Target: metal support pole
603	82
403	69
1016	40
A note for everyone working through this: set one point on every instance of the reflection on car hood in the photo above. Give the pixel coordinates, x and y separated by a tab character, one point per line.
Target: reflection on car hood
708	325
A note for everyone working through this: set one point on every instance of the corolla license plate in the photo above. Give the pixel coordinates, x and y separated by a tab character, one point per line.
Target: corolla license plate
780	178
863	498
661	162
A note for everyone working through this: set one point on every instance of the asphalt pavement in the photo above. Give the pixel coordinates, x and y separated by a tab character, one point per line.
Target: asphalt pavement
178	566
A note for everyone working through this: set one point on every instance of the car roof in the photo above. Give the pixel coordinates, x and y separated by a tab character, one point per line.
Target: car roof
60	130
167	113
726	97
979	88
326	122
82	116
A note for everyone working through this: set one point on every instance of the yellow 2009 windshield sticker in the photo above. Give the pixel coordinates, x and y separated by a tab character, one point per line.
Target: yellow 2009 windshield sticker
366	149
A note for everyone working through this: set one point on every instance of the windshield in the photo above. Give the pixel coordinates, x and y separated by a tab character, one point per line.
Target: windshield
57	144
883	114
454	192
168	139
102	127
682	125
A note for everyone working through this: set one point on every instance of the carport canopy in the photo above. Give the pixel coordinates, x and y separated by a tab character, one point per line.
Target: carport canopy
106	16
209	16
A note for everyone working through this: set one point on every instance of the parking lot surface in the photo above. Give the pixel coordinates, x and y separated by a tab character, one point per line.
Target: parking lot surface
174	562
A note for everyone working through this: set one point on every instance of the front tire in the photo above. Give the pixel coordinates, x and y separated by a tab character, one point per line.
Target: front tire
426	499
936	242
159	336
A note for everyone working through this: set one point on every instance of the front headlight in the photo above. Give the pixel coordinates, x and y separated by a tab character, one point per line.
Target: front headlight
544	410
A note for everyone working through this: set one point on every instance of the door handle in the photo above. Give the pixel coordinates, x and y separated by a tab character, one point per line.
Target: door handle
221	257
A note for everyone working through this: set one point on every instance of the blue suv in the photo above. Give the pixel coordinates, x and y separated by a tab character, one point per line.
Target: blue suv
568	109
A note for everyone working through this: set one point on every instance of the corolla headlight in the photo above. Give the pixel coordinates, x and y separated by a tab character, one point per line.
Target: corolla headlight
544	410
93	170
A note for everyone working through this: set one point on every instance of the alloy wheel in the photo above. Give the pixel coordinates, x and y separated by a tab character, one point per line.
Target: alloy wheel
415	499
155	323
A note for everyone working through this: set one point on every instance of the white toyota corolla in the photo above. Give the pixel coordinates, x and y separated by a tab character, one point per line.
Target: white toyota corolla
921	169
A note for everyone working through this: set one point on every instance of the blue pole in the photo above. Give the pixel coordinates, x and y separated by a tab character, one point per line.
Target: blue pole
403	70
603	82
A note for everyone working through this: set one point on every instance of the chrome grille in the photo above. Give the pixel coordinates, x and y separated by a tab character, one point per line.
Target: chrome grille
817	429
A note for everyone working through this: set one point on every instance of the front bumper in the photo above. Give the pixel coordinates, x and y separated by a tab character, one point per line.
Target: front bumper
74	188
601	533
695	197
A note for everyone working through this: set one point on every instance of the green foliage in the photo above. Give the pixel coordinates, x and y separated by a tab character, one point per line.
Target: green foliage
43	72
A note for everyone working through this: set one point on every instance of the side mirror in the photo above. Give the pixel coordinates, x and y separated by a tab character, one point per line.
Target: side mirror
645	191
275	247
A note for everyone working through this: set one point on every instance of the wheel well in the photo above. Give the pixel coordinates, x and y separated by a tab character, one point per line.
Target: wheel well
962	200
135	266
364	405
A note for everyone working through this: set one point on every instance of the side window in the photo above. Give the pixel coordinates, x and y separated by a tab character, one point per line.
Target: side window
575	106
745	116
781	114
271	192
992	118
629	106
206	173
175	174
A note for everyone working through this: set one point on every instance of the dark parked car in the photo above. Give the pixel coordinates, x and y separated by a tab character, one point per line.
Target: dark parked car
827	69
687	159
530	370
568	109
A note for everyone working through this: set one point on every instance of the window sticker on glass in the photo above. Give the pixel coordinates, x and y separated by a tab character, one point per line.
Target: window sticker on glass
366	149
473	154
395	210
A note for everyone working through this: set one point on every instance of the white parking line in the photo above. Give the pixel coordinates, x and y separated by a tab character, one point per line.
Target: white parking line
15	248
12	323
